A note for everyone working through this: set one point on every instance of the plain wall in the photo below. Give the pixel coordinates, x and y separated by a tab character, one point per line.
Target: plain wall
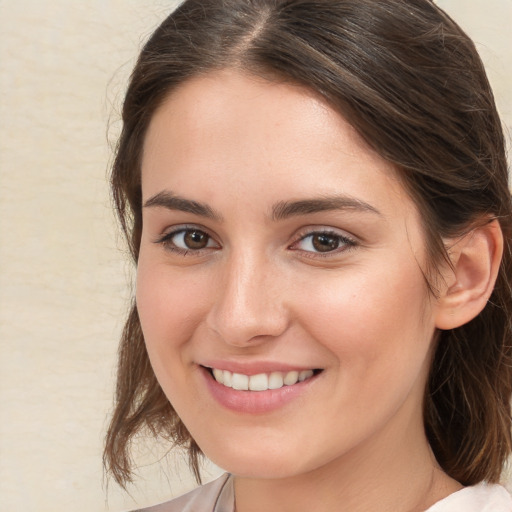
64	276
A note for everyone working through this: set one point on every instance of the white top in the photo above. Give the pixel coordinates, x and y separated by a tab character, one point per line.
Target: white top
218	496
478	498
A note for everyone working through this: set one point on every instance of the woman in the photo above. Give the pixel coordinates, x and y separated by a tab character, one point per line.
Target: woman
315	194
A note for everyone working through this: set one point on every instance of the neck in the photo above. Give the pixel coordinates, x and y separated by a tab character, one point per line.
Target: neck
395	473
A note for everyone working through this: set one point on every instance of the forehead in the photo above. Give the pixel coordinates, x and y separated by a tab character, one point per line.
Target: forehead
231	132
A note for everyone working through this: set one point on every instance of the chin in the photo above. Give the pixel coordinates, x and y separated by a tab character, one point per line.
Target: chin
262	462
261	469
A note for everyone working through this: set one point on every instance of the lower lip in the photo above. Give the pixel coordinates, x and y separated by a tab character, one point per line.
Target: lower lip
255	402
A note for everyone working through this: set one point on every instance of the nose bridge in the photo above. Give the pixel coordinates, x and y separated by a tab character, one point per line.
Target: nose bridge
247	305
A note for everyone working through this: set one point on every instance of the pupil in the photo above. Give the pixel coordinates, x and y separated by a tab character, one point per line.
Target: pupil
325	243
196	240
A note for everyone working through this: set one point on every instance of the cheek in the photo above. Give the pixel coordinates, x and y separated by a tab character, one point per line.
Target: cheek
377	323
170	307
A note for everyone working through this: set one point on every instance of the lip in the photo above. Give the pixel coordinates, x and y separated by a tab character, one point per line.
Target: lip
254	402
254	368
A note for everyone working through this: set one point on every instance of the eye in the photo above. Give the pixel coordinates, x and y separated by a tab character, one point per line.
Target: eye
323	242
185	240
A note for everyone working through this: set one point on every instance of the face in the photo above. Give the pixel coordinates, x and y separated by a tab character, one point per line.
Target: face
279	284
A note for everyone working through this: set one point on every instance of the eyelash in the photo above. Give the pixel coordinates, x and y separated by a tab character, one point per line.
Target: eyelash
345	242
167	240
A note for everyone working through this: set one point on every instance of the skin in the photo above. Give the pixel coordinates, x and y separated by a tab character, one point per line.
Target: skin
259	292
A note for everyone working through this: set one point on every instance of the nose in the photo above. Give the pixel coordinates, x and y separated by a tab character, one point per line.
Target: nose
249	306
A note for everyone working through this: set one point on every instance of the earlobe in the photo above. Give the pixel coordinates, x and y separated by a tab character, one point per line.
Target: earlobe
476	259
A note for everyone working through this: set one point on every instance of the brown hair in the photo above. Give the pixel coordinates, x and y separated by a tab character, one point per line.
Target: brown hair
411	83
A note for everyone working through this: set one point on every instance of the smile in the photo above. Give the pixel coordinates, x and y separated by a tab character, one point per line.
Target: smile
258	391
261	381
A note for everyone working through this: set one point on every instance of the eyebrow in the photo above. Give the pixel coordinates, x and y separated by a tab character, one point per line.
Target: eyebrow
171	201
286	209
280	211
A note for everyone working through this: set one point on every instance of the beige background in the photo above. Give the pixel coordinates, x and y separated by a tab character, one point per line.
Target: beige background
64	282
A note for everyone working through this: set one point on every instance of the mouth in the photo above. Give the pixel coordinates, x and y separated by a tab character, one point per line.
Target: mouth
261	381
258	391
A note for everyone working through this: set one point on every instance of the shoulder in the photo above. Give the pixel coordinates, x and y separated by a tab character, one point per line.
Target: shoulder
478	498
203	499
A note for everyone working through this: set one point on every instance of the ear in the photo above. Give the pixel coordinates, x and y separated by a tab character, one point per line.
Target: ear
476	259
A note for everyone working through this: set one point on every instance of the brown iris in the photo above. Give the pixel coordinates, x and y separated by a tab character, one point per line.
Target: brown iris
196	239
324	243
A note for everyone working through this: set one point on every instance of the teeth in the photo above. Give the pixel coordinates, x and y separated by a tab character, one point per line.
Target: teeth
305	374
261	381
219	375
258	382
275	380
227	378
291	378
240	382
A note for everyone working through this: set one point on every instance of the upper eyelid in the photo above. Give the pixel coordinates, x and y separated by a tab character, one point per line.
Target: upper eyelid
168	244
173	230
311	230
299	234
349	241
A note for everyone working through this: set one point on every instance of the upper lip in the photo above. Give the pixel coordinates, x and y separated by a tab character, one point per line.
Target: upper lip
256	367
